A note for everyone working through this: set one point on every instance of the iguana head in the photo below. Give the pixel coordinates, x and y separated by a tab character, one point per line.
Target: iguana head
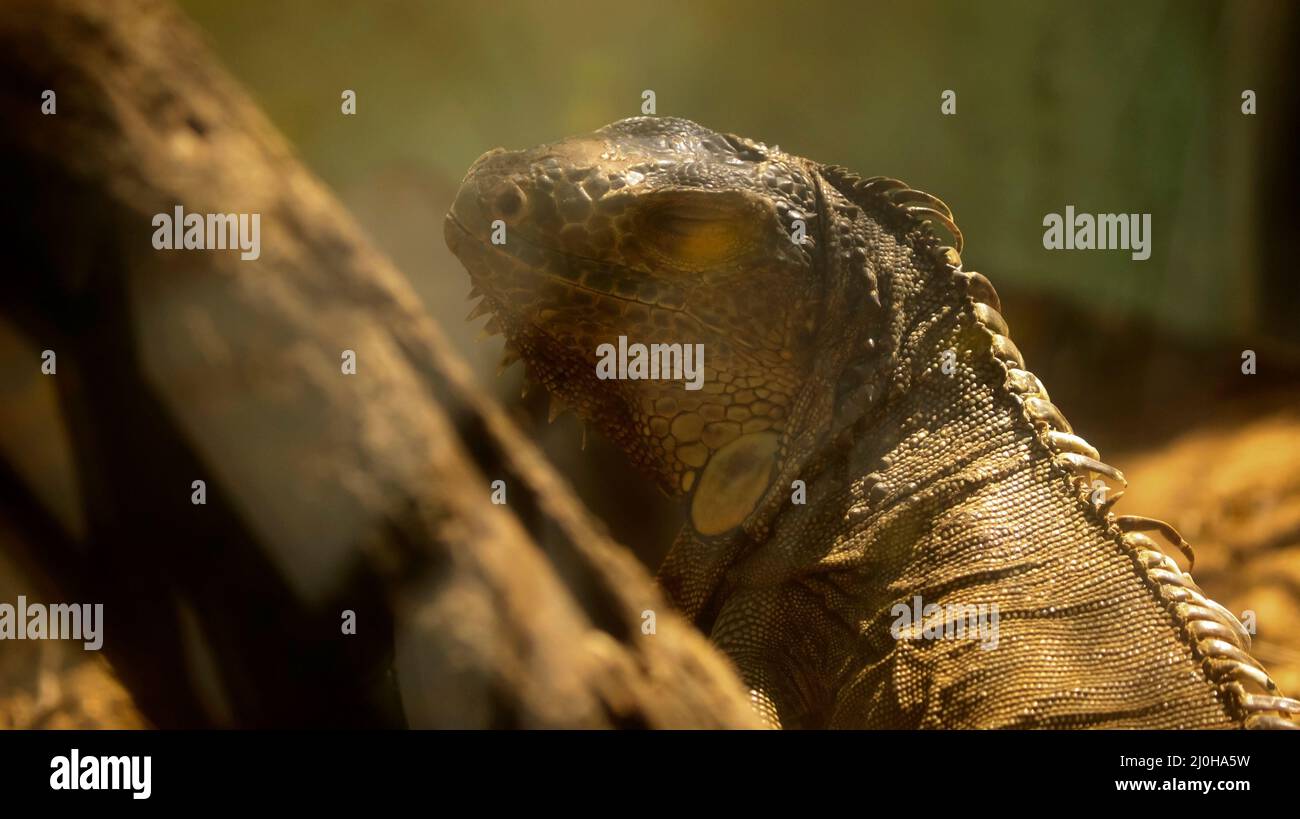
659	231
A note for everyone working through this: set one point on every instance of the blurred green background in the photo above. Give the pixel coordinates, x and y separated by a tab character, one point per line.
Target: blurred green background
1112	107
1109	106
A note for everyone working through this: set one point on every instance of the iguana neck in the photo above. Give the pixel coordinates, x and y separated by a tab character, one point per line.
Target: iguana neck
870	301
943	472
954	502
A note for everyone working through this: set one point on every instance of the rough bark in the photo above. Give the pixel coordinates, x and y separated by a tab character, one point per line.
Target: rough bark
325	491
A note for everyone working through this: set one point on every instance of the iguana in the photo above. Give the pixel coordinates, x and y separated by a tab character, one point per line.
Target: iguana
866	434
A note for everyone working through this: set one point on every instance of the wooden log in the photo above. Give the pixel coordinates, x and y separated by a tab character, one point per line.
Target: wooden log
325	491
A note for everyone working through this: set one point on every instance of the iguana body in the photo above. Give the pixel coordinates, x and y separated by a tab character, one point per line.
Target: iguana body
864	362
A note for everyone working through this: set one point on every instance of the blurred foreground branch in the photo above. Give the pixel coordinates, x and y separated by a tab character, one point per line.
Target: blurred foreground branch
325	491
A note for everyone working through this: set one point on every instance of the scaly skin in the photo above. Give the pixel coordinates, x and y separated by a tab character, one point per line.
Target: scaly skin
866	364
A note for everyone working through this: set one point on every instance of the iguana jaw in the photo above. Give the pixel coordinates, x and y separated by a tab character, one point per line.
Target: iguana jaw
633	232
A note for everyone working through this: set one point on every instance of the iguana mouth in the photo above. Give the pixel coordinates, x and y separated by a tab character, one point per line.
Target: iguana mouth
480	271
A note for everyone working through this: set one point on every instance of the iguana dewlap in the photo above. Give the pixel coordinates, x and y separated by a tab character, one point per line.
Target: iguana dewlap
866	434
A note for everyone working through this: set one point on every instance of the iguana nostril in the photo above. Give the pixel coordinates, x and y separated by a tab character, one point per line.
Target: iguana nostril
509	200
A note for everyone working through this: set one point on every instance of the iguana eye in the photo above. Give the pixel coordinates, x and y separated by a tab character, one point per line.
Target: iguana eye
699	229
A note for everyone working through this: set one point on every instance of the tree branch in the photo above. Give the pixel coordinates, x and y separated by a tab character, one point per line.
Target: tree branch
325	491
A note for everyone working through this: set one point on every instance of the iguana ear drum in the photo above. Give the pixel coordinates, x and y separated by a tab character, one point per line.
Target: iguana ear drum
733	481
